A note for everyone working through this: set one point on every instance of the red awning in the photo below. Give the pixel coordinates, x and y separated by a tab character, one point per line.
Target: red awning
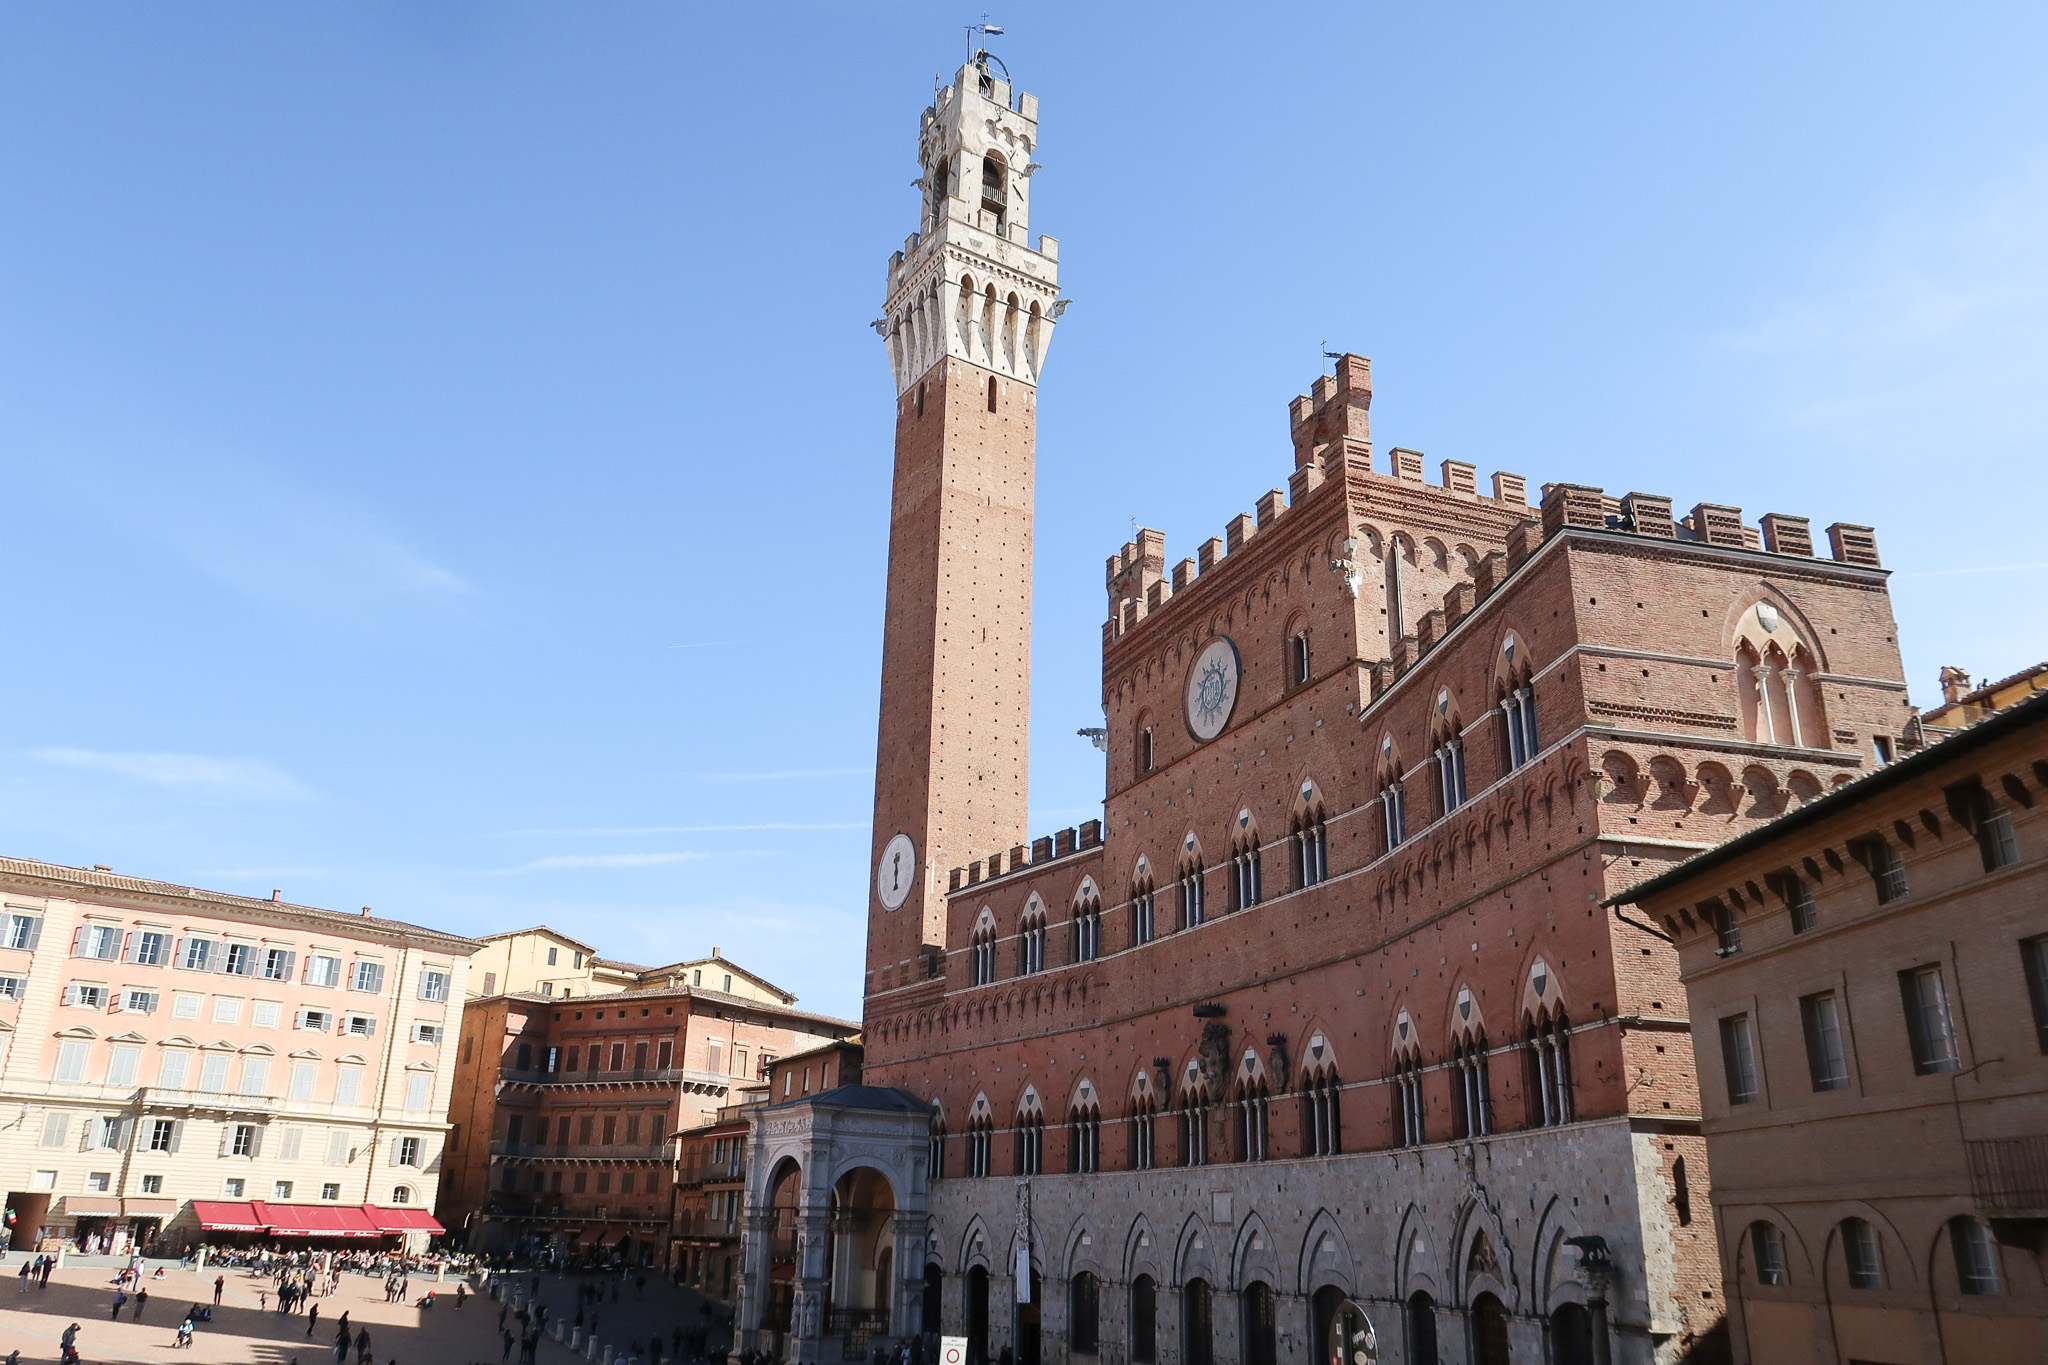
227	1217
316	1220
403	1220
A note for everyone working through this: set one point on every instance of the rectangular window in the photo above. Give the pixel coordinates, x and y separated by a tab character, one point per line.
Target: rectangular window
185	1005
426	1033
240	960
1727	933
1971	804
1928	1025
1768	1248
281	1189
88	997
1881	861
138	1001
152	1184
71	1060
433	985
604	1182
330	1191
316	1021
348	1085
1738	1057
13	987
99	1182
242	1140
551	957
200	955
665	1054
1976	1256
367	976
263	1014
2034	961
359	1025
406	1152
122	1065
323	969
255	1075
1798	898
232	1187
490	983
227	1009
583	1129
55	1126
102	941
171	1072
714	1051
152	948
278	964
24	931
1826	1057
618	1062
337	1149
213	1072
109	1132
611	1129
581	1182
417	1088
160	1131
304	1076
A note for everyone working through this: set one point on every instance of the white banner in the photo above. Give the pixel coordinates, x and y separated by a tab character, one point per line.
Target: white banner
1024	1274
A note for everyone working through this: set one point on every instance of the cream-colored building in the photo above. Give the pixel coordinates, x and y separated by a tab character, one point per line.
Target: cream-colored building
176	1063
547	962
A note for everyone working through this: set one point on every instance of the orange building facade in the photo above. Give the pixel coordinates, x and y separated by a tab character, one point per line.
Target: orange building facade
1867	980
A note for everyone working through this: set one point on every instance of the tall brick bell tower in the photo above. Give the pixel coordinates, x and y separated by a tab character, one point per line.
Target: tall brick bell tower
969	317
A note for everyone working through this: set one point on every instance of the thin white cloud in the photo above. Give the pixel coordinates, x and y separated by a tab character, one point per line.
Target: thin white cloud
202	772
1984	568
1930	336
684	829
783	775
606	860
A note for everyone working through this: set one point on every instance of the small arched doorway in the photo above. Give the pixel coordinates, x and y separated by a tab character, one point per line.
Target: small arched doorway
860	1256
977	1315
1256	1306
1571	1335
1422	1329
1144	1320
1027	1323
1489	1331
1197	1317
934	1299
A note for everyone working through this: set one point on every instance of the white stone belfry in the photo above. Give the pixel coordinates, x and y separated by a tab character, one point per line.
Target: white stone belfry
968	284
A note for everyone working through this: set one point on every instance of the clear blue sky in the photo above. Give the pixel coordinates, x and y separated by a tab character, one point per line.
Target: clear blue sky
446	462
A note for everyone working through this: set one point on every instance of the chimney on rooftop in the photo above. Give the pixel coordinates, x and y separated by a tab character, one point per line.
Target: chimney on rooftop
276	895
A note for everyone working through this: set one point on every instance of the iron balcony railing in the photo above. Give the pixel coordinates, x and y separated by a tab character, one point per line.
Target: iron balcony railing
2009	1175
711	1172
705	1225
534	1075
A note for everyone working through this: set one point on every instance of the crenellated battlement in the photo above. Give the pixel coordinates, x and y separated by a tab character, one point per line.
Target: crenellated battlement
1064	843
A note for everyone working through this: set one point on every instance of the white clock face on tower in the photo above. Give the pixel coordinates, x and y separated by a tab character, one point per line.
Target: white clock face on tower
896	873
1212	688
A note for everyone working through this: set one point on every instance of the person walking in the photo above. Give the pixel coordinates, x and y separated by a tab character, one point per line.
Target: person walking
26	1262
220	1282
506	1354
312	1320
461	1293
363	1346
120	1302
141	1302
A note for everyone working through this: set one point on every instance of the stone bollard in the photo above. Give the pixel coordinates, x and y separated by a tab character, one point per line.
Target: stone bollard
590	1347
558	1329
575	1337
608	1355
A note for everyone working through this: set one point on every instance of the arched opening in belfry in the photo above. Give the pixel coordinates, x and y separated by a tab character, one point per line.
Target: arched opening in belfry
860	1255
995	190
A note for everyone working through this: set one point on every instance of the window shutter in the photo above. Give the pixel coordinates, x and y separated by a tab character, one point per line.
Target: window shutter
134	941
256	1140
291	962
227	1138
177	1134
124	1135
298	1019
397	1144
35	932
71	995
78	940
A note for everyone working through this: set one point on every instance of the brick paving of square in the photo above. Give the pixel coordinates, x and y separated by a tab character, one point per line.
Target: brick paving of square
245	1333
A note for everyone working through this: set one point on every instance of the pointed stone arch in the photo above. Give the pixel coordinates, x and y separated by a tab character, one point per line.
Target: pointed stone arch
1252	1253
1325	1257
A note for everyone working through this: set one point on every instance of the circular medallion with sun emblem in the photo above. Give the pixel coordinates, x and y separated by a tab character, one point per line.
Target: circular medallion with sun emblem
1212	688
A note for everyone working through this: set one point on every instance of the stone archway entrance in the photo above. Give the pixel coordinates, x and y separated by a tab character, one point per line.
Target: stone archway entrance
860	1260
